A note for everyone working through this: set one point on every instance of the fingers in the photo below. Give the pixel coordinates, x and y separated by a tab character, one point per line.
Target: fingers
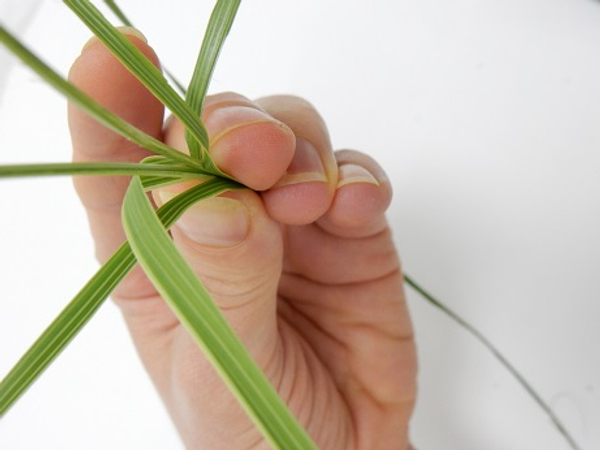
351	242
305	191
278	145
236	249
103	77
346	193
363	194
245	141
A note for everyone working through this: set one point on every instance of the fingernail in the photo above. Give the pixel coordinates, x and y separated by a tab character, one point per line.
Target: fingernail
214	222
127	31
353	173
306	166
221	121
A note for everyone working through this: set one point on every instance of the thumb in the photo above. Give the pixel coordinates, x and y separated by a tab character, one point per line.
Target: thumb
236	250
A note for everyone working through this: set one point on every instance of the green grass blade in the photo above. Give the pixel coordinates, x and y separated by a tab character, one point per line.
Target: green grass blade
145	71
499	356
64	328
91	106
97	168
192	304
117	11
217	30
77	313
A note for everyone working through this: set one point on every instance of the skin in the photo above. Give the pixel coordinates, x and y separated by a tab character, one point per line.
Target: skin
302	264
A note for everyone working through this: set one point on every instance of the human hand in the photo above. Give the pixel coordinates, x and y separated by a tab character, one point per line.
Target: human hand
302	265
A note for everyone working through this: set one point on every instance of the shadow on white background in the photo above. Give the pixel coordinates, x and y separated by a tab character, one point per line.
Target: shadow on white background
486	116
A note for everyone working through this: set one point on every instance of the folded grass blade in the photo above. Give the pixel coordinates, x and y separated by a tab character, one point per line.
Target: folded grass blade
77	313
192	304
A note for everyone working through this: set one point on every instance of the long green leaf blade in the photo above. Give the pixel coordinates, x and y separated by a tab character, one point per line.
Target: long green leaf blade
83	306
217	30
97	168
190	301
91	106
145	71
117	11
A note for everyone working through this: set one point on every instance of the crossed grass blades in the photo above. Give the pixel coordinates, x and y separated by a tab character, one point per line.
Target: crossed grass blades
148	242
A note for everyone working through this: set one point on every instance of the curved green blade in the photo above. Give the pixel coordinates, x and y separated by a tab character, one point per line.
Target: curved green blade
79	311
217	30
187	297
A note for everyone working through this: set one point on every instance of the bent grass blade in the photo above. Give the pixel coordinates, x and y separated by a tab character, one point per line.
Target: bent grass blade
83	306
187	297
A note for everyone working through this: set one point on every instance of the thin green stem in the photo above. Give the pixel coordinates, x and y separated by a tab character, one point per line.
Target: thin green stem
499	356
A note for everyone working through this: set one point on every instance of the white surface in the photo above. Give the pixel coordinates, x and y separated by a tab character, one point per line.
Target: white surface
486	115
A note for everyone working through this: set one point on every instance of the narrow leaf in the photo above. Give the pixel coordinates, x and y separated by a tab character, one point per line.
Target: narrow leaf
145	71
217	30
537	398
77	313
91	106
117	11
97	168
187	297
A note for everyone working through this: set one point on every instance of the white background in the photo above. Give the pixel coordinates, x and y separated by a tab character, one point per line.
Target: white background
486	115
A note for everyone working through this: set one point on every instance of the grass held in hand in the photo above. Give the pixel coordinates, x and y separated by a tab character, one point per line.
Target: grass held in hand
145	224
148	241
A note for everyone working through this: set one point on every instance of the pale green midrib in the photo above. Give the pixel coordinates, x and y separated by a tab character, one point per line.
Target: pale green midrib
163	264
123	260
